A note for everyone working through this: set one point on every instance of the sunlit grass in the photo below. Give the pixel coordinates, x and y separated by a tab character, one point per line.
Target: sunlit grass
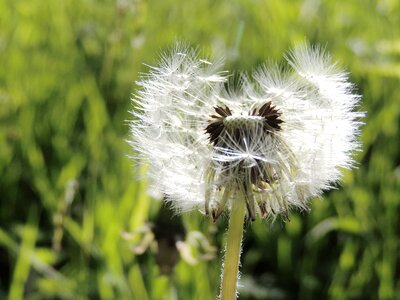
67	73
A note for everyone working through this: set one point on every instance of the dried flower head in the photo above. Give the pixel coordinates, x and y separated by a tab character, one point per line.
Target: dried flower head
279	138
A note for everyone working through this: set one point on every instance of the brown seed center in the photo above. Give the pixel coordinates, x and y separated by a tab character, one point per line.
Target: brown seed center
267	116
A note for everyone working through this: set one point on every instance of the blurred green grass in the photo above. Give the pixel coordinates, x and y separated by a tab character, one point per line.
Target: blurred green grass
68	187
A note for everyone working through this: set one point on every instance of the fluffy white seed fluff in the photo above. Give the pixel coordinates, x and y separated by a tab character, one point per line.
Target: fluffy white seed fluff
272	167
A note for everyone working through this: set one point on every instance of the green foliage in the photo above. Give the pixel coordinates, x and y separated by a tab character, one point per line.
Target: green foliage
68	191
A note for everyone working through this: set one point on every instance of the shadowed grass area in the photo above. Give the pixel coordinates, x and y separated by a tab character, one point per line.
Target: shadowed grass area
75	223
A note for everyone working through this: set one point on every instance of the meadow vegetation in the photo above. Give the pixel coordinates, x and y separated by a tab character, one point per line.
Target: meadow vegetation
70	195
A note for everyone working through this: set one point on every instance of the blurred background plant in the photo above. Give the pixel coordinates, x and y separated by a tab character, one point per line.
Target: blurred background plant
70	204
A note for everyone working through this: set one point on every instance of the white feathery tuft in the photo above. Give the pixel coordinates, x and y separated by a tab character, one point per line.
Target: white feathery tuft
282	137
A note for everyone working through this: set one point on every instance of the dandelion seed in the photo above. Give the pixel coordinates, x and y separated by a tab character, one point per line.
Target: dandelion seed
279	139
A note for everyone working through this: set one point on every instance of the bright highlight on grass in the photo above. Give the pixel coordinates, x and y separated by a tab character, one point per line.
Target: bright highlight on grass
270	144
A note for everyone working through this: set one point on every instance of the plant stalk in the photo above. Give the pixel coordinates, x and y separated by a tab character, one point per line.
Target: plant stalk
233	250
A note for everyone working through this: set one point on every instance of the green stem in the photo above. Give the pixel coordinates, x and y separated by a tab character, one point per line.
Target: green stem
233	250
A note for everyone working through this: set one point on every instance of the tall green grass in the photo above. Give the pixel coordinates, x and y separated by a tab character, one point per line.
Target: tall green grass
69	190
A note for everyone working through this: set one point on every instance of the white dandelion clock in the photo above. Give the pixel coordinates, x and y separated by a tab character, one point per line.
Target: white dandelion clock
278	142
280	138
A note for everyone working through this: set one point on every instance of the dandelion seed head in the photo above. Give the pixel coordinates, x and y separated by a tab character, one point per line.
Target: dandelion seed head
280	138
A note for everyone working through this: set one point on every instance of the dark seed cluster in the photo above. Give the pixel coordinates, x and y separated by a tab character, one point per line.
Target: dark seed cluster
271	115
216	127
216	124
224	129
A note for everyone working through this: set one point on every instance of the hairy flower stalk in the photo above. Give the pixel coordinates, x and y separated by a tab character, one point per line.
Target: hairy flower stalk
279	138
